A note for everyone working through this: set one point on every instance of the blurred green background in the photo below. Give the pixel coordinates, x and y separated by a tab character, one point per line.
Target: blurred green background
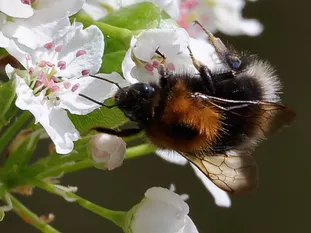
282	202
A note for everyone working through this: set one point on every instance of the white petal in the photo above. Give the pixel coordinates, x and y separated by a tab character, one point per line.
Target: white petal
189	226
171	42
25	99
4	41
172	157
60	129
60	8
128	64
15	8
34	33
94	10
221	197
90	40
96	89
160	211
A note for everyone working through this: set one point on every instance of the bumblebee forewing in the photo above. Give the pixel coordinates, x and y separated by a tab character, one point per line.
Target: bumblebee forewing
232	172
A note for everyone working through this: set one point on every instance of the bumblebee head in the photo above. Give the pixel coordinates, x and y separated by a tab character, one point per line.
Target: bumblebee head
136	101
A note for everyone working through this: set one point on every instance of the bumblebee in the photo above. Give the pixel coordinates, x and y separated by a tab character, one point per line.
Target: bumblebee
213	118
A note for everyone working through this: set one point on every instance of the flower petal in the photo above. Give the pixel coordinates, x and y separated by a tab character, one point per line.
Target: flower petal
34	33
96	89
221	197
172	157
60	129
15	8
90	40
171	42
160	211
189	226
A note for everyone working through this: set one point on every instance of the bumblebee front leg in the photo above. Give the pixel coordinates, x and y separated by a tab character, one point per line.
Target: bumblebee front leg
205	72
163	69
121	133
229	57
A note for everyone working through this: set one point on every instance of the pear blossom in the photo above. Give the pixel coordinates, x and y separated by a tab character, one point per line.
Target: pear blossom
107	151
29	28
161	211
97	9
54	76
140	65
217	15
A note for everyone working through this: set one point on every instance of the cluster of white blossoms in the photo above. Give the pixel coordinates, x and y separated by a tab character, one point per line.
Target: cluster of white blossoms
58	56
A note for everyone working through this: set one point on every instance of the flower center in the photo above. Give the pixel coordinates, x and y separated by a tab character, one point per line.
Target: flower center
44	75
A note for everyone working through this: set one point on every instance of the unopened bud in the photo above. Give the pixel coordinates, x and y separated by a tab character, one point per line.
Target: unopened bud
107	151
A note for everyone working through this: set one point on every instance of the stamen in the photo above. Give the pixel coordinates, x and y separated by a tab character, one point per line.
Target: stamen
54	88
28	57
149	67
171	66
58	48
49	45
75	87
31	70
80	53
42	64
61	65
50	64
85	72
155	64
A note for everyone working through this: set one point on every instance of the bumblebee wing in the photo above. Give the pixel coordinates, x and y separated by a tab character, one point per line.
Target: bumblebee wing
233	172
267	116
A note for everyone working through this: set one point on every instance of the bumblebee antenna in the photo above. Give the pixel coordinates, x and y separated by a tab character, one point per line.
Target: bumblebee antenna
97	102
106	80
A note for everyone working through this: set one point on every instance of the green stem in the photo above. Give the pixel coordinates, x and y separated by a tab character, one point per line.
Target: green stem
140	150
13	129
117	217
30	217
66	168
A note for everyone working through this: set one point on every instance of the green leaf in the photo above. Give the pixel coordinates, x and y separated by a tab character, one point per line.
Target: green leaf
3	52
136	17
112	62
7	95
21	150
104	117
2	214
116	38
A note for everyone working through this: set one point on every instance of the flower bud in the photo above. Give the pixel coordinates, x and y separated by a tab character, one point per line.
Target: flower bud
107	151
161	211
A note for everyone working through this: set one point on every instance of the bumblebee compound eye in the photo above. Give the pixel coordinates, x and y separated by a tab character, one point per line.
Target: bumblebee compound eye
144	89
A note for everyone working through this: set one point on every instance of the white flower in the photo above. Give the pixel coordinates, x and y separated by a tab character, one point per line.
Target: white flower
217	15
55	75
107	151
29	30
140	62
17	8
221	197
161	211
140	65
97	9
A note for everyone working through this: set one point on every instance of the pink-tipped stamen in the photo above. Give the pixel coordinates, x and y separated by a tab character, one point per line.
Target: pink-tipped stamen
59	48
49	45
75	87
85	72
80	53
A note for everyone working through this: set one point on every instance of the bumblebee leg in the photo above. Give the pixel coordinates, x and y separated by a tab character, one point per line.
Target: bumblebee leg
121	133
228	56
205	72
